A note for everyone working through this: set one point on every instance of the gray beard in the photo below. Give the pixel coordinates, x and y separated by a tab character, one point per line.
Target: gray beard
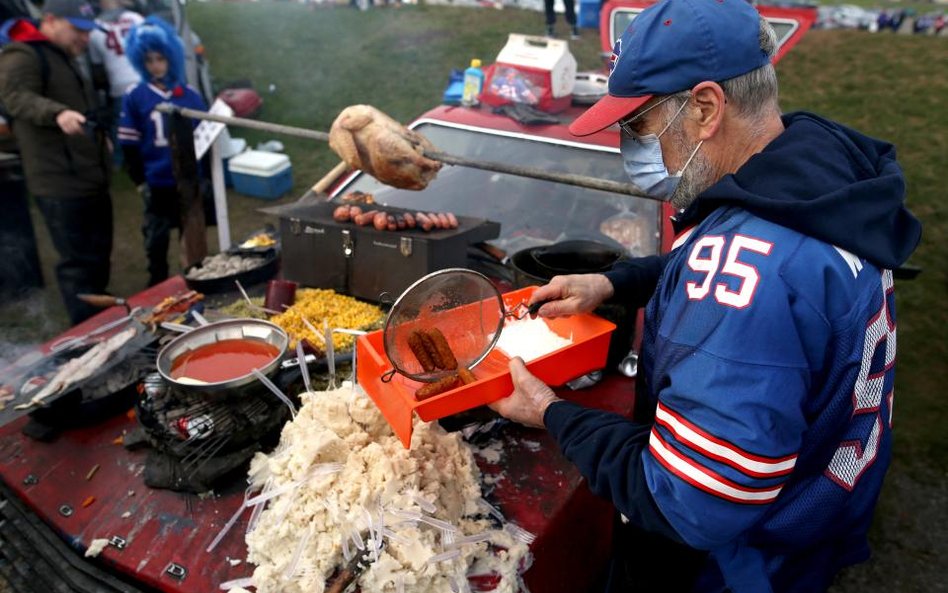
696	178
698	175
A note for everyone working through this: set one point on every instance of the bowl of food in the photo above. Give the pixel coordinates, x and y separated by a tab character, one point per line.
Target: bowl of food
223	355
217	273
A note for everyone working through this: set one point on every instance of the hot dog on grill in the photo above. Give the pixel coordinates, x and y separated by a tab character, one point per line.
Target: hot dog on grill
380	221
342	213
365	218
424	221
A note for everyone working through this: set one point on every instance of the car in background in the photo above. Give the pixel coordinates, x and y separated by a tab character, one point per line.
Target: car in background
847	16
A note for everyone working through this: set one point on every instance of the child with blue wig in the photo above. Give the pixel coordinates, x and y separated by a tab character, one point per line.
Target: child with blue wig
156	52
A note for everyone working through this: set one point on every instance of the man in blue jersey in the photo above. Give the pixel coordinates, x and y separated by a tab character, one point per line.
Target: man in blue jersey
763	433
156	52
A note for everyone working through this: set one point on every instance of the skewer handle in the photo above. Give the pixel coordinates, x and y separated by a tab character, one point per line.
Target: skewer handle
103	301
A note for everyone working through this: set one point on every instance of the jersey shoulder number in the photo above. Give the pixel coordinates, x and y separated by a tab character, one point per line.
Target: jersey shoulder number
726	274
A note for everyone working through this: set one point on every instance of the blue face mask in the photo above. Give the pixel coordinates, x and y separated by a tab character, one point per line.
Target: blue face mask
644	164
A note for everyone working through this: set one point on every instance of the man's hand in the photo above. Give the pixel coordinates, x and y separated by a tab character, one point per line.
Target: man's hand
70	122
572	294
529	400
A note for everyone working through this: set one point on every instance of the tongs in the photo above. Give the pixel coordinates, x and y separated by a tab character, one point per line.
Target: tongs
522	309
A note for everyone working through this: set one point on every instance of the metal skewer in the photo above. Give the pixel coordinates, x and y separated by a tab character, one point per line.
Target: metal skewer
584	181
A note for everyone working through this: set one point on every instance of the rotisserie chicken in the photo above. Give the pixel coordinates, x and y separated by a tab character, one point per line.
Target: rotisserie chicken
367	139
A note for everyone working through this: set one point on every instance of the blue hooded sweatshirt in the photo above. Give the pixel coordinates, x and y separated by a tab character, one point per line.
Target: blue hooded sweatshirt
143	132
766	367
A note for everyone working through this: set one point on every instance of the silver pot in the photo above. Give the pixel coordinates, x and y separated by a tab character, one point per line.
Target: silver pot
231	329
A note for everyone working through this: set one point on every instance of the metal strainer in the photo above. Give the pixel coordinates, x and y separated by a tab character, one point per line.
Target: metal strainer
462	304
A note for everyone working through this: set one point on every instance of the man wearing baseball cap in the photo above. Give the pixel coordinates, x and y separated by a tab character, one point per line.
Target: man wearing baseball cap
763	427
79	13
65	155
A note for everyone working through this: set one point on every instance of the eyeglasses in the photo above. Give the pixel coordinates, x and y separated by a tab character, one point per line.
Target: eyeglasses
626	125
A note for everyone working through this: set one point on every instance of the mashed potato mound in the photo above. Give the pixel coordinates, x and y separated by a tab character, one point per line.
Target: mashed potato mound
346	480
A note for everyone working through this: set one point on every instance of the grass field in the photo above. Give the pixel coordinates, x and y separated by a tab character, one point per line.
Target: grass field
890	86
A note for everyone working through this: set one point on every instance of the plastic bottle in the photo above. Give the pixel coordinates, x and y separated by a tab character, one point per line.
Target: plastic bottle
473	83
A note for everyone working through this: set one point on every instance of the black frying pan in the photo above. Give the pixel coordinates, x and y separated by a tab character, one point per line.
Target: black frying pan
574	257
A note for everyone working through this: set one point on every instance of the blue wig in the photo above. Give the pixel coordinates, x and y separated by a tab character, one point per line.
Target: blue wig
158	36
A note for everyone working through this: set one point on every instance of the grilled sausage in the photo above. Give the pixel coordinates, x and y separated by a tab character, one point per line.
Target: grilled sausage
380	221
466	376
444	220
431	349
409	220
439	386
391	224
365	218
341	214
400	221
354	211
448	361
435	220
417	345
453	220
424	221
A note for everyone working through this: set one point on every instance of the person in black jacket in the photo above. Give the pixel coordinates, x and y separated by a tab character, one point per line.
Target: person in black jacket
65	153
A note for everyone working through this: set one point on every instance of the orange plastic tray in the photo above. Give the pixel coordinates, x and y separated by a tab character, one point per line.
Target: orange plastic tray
396	400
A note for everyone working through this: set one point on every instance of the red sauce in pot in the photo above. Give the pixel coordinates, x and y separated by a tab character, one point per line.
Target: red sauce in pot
224	360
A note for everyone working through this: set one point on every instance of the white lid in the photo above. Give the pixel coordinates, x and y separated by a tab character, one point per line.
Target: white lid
542	53
258	162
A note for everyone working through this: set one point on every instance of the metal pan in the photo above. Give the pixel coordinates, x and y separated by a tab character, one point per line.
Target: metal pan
575	257
231	329
262	273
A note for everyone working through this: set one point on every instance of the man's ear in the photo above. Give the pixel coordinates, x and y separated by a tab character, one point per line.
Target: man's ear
709	101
